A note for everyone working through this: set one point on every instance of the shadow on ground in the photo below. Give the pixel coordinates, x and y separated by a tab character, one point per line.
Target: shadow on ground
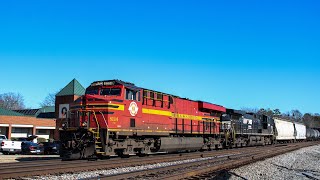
36	158
225	175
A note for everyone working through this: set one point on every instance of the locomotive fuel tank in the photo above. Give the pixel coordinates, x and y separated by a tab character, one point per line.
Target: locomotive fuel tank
174	144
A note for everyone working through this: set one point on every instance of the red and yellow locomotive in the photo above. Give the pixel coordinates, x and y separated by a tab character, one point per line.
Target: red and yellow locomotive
119	118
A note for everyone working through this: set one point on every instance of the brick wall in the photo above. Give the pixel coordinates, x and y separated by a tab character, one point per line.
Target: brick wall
25	120
62	100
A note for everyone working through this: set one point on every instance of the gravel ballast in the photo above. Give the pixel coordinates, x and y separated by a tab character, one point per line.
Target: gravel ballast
96	174
300	164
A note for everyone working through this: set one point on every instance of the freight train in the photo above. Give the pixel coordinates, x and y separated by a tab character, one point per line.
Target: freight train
118	118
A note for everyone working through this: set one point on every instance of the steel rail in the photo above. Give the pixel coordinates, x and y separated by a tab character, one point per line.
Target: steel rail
14	170
215	164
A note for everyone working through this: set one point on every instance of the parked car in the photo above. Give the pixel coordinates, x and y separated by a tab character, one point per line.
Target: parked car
10	147
28	147
31	138
2	138
51	147
14	147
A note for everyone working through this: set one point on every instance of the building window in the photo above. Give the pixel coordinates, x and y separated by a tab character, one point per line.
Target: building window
42	131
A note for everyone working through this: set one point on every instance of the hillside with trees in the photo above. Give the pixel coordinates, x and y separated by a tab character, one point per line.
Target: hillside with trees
309	119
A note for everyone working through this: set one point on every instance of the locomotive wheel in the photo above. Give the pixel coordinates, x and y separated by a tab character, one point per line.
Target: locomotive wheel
71	156
142	155
124	155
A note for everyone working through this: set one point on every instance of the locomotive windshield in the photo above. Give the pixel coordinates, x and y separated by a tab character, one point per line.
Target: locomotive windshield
92	91
110	92
105	91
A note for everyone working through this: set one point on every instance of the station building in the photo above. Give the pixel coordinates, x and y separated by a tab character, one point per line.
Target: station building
42	122
14	124
64	98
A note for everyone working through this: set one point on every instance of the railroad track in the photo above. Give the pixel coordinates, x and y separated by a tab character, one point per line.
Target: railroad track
209	168
45	167
23	169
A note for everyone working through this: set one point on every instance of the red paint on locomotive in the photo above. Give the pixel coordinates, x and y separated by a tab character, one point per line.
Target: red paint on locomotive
122	107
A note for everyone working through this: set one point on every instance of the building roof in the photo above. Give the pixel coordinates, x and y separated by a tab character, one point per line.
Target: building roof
73	88
47	109
44	112
28	112
5	112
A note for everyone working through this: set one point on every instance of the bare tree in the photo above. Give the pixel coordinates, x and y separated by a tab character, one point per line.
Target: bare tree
317	120
49	100
277	112
296	114
11	101
267	112
308	120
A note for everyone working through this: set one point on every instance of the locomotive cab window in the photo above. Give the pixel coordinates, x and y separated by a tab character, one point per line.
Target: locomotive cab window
110	92
92	91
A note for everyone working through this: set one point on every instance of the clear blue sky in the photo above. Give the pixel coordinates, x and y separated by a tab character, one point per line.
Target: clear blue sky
234	53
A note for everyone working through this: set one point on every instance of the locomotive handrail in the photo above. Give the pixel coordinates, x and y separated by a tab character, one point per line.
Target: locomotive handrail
97	122
104	119
156	99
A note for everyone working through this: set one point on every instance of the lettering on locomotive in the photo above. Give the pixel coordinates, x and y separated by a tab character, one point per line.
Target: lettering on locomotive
114	119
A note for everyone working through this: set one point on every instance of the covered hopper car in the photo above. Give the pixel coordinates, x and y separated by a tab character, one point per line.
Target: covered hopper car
300	131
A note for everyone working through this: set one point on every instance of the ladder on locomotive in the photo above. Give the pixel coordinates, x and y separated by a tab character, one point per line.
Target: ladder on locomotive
96	134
